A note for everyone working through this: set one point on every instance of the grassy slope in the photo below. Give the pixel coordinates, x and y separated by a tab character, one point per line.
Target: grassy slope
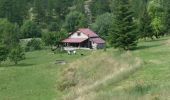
99	68
151	82
34	78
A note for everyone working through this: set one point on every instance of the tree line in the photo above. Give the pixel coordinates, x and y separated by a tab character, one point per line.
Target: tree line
120	22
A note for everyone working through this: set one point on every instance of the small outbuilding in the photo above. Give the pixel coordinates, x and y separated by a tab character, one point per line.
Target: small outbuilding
84	38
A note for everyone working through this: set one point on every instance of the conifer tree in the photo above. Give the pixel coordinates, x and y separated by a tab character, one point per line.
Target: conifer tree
145	26
167	15
13	10
123	33
39	11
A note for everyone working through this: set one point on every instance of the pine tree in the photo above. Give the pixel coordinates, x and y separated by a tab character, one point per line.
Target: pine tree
167	17
123	32
14	10
39	11
145	26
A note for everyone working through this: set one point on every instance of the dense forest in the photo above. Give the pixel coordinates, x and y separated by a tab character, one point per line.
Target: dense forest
120	22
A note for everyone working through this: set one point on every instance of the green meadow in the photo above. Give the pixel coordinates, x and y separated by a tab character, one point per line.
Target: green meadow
141	74
35	78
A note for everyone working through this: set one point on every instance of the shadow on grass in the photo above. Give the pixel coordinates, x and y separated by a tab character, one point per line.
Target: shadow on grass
147	47
17	65
160	39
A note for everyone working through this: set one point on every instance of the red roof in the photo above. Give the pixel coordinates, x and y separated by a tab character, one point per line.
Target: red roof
88	32
97	40
74	40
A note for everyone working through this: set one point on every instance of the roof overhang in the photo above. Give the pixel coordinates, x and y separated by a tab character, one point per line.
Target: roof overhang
74	40
97	40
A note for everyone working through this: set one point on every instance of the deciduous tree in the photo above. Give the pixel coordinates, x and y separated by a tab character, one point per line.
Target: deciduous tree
102	24
30	30
75	20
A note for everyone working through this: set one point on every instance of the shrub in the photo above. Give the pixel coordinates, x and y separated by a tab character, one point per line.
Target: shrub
34	44
3	53
16	54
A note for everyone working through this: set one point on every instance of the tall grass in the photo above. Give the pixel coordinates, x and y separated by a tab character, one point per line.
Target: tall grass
96	70
151	82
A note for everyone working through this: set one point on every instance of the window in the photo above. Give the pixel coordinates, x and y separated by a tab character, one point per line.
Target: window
78	34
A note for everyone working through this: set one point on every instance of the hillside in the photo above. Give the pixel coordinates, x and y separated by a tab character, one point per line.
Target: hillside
125	56
34	78
142	74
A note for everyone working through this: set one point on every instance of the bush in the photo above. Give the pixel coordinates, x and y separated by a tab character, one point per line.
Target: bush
34	44
3	53
16	54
